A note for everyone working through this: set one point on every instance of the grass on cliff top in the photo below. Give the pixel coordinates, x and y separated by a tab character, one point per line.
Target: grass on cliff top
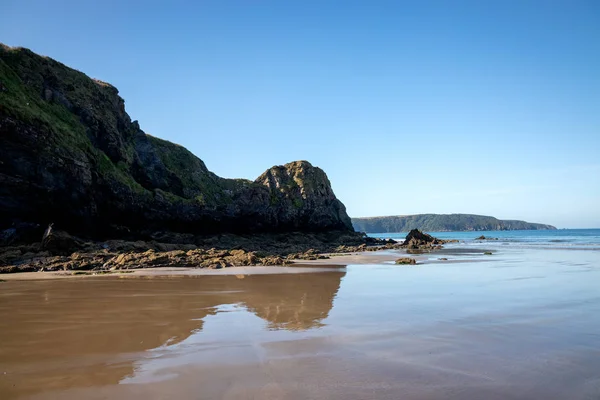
24	75
19	101
38	72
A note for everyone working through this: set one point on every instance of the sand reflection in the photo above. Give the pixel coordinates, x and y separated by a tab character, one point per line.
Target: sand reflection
64	334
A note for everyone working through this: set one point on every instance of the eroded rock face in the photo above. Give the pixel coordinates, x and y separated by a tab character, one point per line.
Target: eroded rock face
71	155
301	195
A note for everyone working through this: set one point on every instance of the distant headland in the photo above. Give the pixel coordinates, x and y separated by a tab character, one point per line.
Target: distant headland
442	223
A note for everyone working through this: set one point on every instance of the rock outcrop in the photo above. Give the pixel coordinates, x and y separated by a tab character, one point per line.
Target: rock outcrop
59	242
417	240
483	237
71	155
60	251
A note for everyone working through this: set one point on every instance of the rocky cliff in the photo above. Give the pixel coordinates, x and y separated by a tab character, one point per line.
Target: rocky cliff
71	155
441	223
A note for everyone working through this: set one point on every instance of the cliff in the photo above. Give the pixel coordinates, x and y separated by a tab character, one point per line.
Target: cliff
71	155
441	223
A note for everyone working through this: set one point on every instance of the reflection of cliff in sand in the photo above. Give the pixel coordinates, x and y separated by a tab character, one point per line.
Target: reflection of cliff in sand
60	334
296	303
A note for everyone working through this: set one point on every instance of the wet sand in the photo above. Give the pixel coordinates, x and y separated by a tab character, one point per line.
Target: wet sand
522	325
173	272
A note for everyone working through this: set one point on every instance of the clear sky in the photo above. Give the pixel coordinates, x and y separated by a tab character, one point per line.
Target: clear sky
486	107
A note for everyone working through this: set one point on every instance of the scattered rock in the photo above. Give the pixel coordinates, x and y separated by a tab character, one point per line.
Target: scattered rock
60	251
488	253
443	259
485	238
9	255
406	261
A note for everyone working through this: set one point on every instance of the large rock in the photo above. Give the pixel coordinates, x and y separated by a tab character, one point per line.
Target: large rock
417	240
406	261
301	196
59	242
71	155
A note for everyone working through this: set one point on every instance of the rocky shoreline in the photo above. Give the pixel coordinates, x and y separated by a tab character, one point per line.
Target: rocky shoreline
59	251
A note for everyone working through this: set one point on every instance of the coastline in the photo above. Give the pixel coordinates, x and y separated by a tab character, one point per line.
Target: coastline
60	251
336	262
329	262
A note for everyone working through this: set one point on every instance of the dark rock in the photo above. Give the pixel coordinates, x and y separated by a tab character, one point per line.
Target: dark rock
485	238
9	255
417	235
488	253
64	252
417	240
21	233
406	261
8	236
60	242
377	241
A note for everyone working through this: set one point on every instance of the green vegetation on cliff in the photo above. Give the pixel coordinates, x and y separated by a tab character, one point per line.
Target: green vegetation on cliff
441	223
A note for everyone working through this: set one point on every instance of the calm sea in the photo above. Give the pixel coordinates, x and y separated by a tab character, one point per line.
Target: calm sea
560	239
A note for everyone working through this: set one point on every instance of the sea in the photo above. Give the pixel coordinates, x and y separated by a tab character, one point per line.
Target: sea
583	239
514	318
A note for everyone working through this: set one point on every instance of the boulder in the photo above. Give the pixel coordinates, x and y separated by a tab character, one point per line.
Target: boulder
406	261
417	240
59	242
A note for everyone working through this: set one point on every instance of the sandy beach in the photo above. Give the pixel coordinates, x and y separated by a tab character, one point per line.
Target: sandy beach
506	326
299	266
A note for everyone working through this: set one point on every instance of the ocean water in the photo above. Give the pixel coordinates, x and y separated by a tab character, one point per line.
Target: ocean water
584	239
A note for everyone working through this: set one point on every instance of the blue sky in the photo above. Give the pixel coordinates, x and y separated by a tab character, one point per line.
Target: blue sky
486	107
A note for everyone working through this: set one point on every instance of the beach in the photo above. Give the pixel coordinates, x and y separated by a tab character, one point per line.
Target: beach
299	200
522	323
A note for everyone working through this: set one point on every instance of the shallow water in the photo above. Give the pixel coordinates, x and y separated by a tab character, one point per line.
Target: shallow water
520	324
